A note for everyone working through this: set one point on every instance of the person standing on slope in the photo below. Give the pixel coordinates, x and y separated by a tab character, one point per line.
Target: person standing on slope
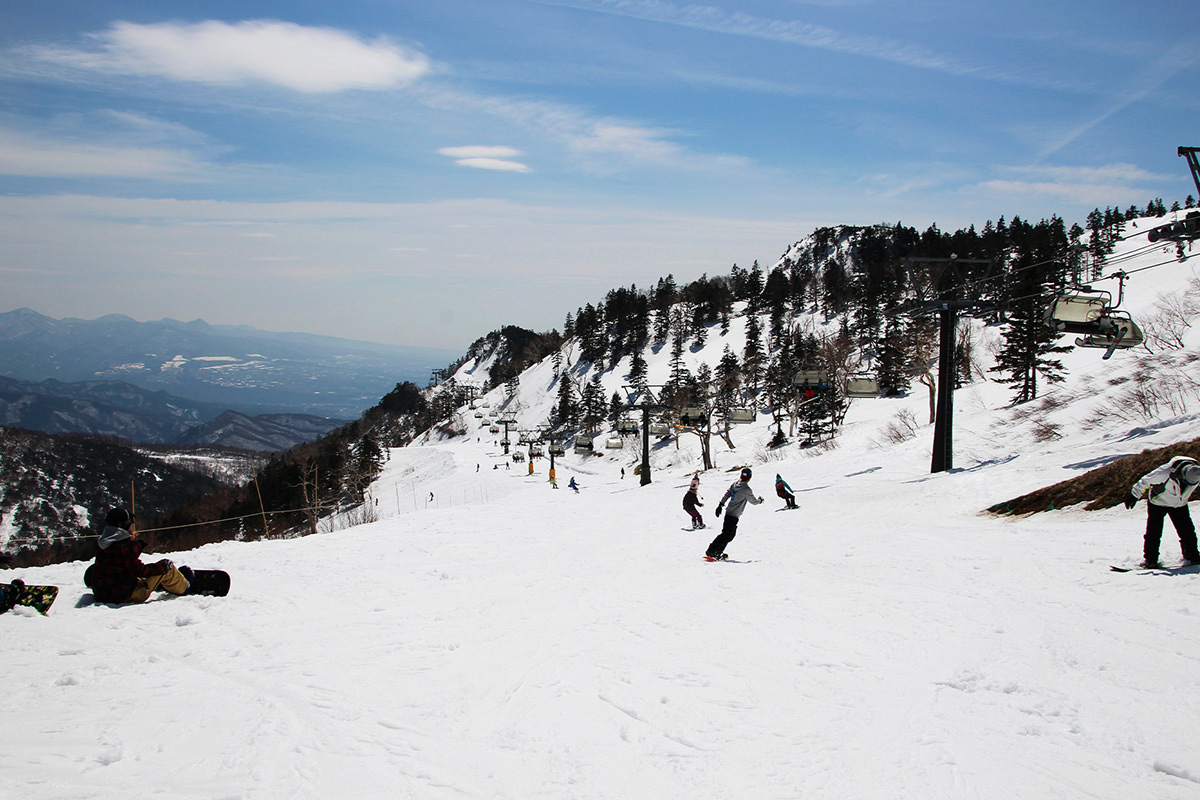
691	499
737	495
1167	490
785	491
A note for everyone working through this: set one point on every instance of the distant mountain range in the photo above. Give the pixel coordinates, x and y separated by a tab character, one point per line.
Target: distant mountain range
122	410
216	367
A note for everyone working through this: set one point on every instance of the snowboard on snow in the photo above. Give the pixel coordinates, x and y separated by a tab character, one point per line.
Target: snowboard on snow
727	560
39	598
1162	569
209	581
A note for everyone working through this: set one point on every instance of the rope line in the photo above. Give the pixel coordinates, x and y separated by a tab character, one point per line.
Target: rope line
84	537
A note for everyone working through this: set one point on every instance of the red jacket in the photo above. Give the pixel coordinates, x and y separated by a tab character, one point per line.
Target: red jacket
118	566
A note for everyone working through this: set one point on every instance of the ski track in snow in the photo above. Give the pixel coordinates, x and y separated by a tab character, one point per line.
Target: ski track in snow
505	640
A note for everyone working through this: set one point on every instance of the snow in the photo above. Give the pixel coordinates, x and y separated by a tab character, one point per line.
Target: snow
488	636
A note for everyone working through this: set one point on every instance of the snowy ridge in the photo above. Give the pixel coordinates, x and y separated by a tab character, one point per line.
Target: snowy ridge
490	636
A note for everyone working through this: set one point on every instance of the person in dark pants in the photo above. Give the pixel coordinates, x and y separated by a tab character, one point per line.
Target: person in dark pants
690	500
737	495
1167	490
783	490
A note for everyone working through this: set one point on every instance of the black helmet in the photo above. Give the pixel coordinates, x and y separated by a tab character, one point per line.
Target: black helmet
119	518
746	473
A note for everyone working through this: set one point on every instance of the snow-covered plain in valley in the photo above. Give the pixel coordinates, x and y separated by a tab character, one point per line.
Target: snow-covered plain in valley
489	636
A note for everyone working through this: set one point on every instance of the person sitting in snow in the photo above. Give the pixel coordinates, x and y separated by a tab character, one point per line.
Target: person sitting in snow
1167	490
785	491
119	576
691	499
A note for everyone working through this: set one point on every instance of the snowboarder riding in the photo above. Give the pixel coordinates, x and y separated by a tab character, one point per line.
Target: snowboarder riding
785	491
737	495
1167	490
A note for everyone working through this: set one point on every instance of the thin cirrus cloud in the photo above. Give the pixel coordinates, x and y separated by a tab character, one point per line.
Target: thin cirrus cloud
498	158
24	154
296	57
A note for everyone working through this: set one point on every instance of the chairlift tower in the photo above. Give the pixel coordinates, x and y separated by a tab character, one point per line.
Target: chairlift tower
647	403
949	278
506	419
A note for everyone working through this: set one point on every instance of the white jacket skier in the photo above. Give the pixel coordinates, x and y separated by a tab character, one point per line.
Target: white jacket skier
1167	490
1170	485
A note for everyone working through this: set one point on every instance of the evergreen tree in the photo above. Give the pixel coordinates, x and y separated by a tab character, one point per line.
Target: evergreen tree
616	409
891	362
637	371
753	356
1028	340
677	388
775	299
593	411
566	410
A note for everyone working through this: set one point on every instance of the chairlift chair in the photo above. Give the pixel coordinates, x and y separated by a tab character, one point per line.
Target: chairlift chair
740	416
1117	330
659	429
614	443
811	381
1091	313
583	447
557	450
816	378
862	386
693	416
1079	310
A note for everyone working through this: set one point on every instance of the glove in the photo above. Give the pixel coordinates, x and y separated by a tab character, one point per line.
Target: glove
720	510
166	565
1130	501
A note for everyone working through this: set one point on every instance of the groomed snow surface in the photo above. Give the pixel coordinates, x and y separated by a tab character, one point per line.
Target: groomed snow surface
492	637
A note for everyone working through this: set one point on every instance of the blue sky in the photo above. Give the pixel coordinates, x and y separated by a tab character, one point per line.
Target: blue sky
423	172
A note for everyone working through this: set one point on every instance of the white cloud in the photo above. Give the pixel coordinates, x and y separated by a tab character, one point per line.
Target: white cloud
493	157
498	164
304	59
1084	185
480	151
602	144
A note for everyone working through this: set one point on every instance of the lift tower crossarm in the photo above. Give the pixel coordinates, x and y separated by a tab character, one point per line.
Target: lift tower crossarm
1190	154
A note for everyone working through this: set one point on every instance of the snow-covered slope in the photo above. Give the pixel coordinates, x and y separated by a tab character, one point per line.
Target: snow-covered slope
490	636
